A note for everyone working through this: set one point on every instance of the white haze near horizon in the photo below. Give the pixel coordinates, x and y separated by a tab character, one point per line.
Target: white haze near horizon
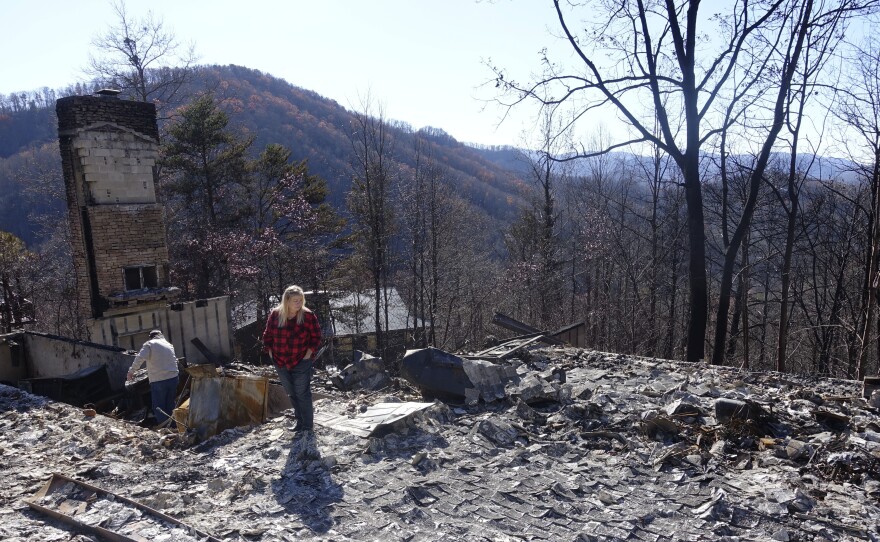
424	62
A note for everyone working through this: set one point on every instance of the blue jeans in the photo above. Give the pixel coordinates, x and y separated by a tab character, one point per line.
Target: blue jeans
163	394
297	383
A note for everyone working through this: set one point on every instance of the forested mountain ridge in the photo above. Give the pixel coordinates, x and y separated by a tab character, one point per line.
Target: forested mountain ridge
317	129
600	241
314	128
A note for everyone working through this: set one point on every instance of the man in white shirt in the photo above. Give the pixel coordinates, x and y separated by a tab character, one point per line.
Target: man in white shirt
161	372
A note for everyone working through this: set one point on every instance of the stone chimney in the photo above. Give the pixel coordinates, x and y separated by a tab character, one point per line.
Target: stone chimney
109	149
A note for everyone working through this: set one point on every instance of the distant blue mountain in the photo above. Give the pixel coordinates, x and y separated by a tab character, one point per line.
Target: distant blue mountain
816	167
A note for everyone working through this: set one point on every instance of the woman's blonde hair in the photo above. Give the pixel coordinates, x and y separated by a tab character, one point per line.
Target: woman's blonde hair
281	308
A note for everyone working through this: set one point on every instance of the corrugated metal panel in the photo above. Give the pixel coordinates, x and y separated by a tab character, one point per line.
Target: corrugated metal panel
376	416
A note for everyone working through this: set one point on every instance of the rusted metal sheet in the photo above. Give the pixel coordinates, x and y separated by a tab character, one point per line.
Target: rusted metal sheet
245	400
69	509
219	403
180	415
202	371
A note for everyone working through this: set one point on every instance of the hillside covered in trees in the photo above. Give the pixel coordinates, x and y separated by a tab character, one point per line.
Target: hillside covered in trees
744	232
314	128
294	177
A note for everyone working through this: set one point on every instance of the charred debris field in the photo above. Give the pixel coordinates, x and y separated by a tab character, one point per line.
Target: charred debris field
579	445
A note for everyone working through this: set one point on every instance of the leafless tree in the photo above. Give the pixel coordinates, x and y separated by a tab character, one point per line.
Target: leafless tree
537	270
469	288
832	253
141	57
658	71
51	286
421	204
374	169
16	282
808	26
625	235
859	109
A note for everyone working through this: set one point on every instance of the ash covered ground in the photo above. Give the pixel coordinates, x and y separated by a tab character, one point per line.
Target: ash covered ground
627	449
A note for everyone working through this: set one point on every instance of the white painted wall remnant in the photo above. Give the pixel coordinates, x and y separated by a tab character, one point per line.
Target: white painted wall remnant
50	356
205	319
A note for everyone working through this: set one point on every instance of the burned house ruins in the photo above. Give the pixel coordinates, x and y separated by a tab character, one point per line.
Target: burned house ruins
623	449
532	438
109	149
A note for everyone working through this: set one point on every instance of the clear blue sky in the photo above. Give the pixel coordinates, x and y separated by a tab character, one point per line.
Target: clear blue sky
423	59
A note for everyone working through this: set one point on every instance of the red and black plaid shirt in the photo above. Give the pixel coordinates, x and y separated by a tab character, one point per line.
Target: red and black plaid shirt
289	344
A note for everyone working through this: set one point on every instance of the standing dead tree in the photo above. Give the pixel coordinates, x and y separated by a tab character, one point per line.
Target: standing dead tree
141	57
17	278
654	75
859	109
642	60
537	272
369	200
804	25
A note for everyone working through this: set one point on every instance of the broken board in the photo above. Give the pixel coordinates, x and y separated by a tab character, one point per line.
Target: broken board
70	501
505	349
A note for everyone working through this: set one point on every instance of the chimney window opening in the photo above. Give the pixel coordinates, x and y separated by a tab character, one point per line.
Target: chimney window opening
141	276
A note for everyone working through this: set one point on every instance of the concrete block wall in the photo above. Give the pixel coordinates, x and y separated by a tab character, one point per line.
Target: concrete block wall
117	166
206	319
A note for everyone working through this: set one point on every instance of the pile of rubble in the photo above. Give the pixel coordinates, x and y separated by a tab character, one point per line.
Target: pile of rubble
574	445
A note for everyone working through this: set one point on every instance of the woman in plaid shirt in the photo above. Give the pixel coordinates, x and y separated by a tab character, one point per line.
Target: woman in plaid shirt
291	338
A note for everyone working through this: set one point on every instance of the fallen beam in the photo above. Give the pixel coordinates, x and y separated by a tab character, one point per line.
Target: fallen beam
505	349
205	351
572	334
60	486
523	329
